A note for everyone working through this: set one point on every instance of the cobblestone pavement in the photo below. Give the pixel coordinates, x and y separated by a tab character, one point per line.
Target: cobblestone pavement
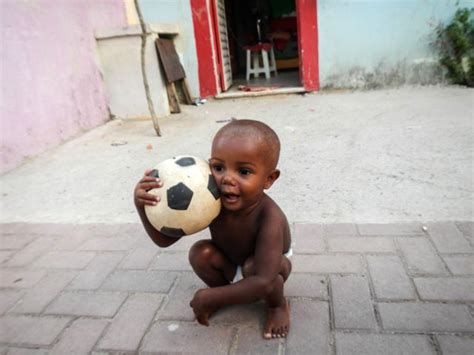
355	289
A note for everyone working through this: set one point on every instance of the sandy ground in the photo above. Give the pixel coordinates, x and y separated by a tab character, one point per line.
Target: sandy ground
360	157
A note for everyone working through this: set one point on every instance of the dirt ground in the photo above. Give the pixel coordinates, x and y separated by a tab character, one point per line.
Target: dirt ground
361	157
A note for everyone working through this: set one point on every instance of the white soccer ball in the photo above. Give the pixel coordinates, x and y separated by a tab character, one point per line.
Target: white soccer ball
189	197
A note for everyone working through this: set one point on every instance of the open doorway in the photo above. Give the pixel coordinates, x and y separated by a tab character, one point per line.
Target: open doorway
245	23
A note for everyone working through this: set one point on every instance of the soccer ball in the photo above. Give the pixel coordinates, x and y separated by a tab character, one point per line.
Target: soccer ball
189	197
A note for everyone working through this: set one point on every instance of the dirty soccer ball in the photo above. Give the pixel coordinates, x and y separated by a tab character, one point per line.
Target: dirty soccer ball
189	197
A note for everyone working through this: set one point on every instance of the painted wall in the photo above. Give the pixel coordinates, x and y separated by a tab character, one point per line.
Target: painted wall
177	12
371	43
50	79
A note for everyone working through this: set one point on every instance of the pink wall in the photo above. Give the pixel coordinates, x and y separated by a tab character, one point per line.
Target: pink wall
51	85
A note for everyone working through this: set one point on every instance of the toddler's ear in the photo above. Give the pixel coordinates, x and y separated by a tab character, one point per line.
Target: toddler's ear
271	178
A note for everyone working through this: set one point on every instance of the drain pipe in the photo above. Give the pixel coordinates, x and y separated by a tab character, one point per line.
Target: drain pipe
145	79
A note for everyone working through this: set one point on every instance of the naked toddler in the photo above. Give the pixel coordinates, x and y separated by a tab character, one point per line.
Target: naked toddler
246	258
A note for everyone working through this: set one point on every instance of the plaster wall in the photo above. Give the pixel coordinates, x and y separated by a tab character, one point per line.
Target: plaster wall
177	13
51	86
372	43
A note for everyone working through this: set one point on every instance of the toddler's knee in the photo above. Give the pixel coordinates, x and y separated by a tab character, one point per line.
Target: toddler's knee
200	253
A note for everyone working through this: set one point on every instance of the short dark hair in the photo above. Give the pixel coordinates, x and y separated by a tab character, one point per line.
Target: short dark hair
258	131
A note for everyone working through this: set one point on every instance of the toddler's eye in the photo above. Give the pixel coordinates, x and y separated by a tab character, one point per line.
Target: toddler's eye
217	168
245	172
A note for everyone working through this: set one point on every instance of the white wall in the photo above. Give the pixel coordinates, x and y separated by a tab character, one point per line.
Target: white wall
177	12
371	43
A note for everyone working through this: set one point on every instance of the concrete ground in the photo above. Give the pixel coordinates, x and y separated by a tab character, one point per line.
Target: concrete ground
378	187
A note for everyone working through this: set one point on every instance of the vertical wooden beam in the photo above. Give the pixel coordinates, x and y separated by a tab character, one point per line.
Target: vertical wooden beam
307	21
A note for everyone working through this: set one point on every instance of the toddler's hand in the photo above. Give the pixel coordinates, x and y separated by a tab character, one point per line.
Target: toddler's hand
141	195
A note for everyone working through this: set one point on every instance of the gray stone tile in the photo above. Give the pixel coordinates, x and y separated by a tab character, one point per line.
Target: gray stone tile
64	260
8	298
5	255
139	281
306	285
308	238
188	338
15	242
448	239
421	257
37	298
140	258
446	289
171	262
250	341
92	304
309	332
131	322
327	263
31	252
362	245
340	229
389	278
80	337
109	244
406	229
254	313
375	344
427	317
460	265
33	331
456	345
177	306
92	277
20	278
353	306
466	228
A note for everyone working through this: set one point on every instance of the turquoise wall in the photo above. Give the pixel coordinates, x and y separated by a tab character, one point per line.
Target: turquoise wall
370	43
177	12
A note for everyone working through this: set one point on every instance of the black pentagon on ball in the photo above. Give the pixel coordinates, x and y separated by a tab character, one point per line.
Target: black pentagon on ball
172	232
212	187
185	161
179	197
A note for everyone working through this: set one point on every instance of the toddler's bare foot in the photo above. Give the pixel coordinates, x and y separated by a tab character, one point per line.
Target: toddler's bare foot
202	311
278	322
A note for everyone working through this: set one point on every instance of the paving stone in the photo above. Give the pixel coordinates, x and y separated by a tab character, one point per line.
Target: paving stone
352	304
389	278
375	344
446	289
33	331
171	261
455	345
96	271
250	341
15	242
448	239
5	255
131	322
71	241
308	238
327	263
8	298
93	304
65	260
426	317
309	332
31	252
26	351
189	338
177	306
406	229
340	229
466	228
361	245
140	258
22	278
254	313
306	285
37	298
109	244
421	256
80	337
460	265
139	281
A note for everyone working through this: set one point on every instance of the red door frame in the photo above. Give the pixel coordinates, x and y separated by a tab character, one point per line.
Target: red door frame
208	67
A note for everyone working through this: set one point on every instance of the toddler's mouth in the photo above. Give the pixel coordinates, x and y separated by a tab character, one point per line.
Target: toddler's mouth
230	198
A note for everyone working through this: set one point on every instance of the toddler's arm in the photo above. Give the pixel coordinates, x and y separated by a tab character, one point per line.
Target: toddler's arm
142	197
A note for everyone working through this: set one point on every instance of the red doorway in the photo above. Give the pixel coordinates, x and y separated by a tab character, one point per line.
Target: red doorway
209	51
